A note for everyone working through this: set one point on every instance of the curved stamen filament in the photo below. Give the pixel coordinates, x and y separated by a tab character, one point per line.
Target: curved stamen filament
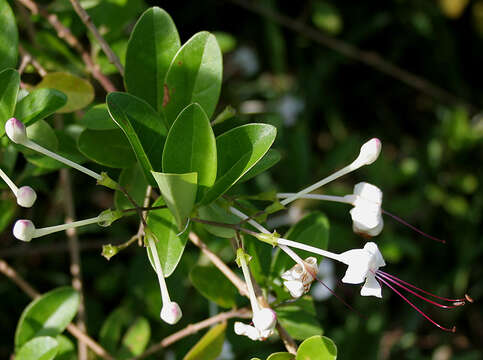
381	279
395	282
380	272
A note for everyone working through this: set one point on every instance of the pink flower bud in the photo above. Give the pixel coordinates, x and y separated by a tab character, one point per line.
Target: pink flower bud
16	131
171	313
370	151
26	196
24	230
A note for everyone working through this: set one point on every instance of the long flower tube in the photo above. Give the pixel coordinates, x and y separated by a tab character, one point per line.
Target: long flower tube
25	195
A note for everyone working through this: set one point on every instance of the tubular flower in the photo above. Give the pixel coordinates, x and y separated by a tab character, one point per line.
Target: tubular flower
298	280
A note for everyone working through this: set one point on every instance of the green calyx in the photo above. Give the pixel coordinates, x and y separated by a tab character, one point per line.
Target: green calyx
106	181
108	251
107	217
271	239
241	254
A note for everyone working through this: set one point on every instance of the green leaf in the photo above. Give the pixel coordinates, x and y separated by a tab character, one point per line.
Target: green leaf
179	193
80	92
210	345
169	246
271	158
112	328
39	348
213	285
9	85
298	322
238	151
8	37
194	76
107	147
226	41
312	230
135	340
143	127
260	258
66	349
39	104
48	315
317	348
8	208
281	356
133	181
191	147
43	134
153	43
215	212
98	118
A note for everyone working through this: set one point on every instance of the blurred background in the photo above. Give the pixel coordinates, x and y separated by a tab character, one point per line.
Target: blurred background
405	71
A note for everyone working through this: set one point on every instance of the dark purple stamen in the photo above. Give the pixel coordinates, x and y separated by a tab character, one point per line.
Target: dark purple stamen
397	218
381	279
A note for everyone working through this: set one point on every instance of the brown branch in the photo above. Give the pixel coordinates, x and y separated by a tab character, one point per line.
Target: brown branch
74	330
194	328
86	19
288	341
75	262
65	34
40	69
235	280
368	58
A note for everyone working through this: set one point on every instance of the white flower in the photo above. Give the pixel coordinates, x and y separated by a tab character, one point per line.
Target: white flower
298	279
247	330
26	196
362	266
171	313
264	321
366	214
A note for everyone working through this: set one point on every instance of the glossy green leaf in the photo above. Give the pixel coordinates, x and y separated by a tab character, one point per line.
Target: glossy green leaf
153	43
133	181
48	315
98	118
39	348
112	328
135	340
194	76
179	193
79	91
143	127
9	85
213	285
8	37
8	208
66	349
299	322
271	158
281	356
191	147
209	346
238	151
39	104
169	246
215	212
107	147
317	348
312	230
226	41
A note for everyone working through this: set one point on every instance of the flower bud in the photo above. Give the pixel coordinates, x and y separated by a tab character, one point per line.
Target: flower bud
16	131
26	196
265	319
24	230
171	313
370	151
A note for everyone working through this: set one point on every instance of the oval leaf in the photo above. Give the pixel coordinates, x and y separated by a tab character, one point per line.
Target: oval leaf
107	147
135	340
39	348
66	349
133	181
80	92
98	118
317	348
169	246
48	315
179	193
8	37
213	285
39	104
271	158
299	322
281	356
9	85
238	151
194	76
191	147
210	345
153	43
143	128
112	328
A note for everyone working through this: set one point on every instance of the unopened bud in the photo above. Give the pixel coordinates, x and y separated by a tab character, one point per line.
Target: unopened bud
108	251
370	151
16	131
24	230
171	313
26	196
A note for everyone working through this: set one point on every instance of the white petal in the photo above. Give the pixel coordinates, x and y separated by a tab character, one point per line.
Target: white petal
376	257
371	287
265	319
368	192
295	287
358	265
287	275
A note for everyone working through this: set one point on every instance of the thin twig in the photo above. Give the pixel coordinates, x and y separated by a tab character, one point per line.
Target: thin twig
86	19
194	328
65	34
369	58
75	262
239	284
40	69
74	330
